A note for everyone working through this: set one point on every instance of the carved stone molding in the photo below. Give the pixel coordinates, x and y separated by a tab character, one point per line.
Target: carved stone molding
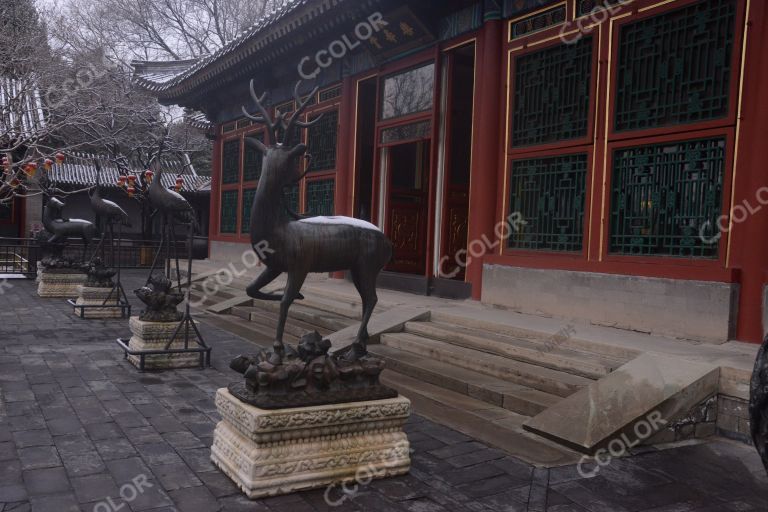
273	452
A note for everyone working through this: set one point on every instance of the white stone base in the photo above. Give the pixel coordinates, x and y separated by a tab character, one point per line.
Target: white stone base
154	336
63	286
275	452
88	296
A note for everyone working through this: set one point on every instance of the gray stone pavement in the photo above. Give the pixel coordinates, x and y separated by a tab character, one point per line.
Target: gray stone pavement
81	429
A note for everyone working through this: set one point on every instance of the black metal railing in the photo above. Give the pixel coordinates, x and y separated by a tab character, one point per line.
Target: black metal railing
20	255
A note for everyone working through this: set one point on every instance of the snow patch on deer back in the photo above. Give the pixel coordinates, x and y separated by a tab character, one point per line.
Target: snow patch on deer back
341	221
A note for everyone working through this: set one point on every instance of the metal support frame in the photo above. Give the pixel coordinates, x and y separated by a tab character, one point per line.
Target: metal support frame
120	297
186	324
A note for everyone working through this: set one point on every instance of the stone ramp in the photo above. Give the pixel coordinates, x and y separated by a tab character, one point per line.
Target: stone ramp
632	403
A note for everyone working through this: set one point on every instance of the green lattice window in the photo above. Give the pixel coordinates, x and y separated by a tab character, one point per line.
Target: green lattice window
551	94
248	196
675	68
549	194
228	223
292	198
230	162
322	140
253	160
665	197
320	197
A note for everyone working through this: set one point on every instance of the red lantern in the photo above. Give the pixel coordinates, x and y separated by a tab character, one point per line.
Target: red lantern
60	158
148	175
30	169
179	183
131	180
121	181
15	183
131	191
48	164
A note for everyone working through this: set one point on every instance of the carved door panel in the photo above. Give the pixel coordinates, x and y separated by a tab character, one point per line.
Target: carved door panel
408	208
455	225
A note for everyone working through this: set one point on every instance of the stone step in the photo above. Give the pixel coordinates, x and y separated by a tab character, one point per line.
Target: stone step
543	379
621	354
308	314
480	420
256	333
549	355
330	305
217	293
269	319
628	406
495	391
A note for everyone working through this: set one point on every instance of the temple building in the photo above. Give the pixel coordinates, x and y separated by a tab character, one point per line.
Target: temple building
590	159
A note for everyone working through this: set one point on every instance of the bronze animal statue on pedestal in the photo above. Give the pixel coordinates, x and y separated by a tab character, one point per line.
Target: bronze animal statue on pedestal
302	246
64	228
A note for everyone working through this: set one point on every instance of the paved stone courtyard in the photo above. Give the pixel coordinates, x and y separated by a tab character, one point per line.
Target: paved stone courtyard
81	429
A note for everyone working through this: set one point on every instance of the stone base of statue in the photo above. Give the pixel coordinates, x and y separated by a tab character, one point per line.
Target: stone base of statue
153	336
53	283
275	452
90	301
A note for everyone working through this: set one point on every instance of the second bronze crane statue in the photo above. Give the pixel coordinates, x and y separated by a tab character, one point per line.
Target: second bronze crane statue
299	246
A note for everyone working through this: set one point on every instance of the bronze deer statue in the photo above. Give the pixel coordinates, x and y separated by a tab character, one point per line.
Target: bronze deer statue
299	246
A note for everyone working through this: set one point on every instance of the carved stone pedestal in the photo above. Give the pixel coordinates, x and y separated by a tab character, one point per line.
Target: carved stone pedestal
154	336
88	296
52	284
275	452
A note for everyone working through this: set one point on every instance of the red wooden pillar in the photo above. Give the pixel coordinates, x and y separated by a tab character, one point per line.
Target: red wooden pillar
750	242
486	143
344	150
213	217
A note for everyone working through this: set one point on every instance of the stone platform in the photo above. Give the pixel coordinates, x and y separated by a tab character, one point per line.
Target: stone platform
149	336
88	296
271	453
52	284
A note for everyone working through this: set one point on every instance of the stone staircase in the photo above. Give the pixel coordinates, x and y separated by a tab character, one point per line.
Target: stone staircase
499	383
487	380
484	380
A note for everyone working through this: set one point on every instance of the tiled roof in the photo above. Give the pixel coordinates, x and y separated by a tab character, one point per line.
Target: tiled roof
197	119
21	108
274	25
160	72
79	170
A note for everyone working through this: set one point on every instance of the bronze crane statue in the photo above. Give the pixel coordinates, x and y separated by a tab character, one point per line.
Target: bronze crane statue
758	403
109	211
172	206
302	246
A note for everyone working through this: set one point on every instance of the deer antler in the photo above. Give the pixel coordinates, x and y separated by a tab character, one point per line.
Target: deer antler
303	104
265	119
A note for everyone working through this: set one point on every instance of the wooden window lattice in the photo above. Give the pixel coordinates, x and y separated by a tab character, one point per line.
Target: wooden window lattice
248	196
230	162
229	199
666	198
549	194
322	140
675	68
320	197
292	198
253	160
552	94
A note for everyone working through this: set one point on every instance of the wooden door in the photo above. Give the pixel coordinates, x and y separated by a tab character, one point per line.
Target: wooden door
408	206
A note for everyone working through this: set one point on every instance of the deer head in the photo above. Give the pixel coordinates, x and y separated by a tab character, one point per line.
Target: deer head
281	161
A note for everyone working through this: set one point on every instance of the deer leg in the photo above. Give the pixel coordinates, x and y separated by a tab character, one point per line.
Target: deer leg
295	282
366	287
266	277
